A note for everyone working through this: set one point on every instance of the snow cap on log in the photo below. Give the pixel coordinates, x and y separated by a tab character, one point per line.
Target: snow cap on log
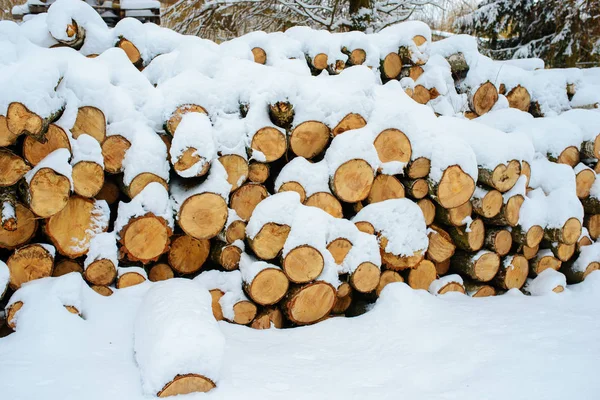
548	281
153	199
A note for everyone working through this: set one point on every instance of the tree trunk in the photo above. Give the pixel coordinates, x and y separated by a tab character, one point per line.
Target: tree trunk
237	169
303	264
418	168
531	238
483	98
509	213
309	139
352	181
428	208
258	172
271	142
160	272
203	216
88	178
21	121
281	114
568	234
454	216
542	261
476	289
416	189
365	277
8	209
349	122
90	121
25	228
421	276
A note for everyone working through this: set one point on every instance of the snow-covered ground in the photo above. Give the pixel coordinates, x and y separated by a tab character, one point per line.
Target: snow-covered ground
412	345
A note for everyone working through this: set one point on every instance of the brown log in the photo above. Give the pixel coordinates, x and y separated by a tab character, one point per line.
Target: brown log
592	223
393	145
185	384
175	118
110	192
365	277
562	251
145	238
35	151
398	263
441	247
269	317
267	287
542	261
355	57
512	273
519	98
160	272
421	94
102	290
281	114
271	142
390	66
470	237
309	139
452	287
226	255
529	252
269	241
416	188
317	63
12	168
216	295
584	181
187	160
421	276
309	303
260	55
101	272
569	156
428	208
584	240
246	198
343	298
142	180
88	178
477	289
25	227
483	98
487	203
498	240
292	186
29	263
129	279
187	254
339	249
365	227
90	121
577	276
71	229
21	121
113	152
203	216
352	181
258	172
237	169
526	170
236	230
7	138
385	187
66	266
501	178
480	267
531	238
303	264
418	168
454	189
131	51
454	216
349	122
386	278
509	213
47	193
568	234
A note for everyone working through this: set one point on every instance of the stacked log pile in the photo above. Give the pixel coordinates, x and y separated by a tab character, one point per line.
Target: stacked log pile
292	175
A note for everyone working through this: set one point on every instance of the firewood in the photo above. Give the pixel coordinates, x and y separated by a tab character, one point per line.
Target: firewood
339	249
102	290
458	66
562	251
47	192
129	278
577	274
529	252
569	156
447	284
483	98
428	208
317	63
584	240
66	266
355	57
75	34
398	263
187	254
216	295
307	304
481	266
176	116
501	178
33	261
293	187
589	148
7	138
391	66
386	278
203	216
519	98
237	169
498	240
271	142
269	241
486	203
421	276
416	188
531	238
470	237
188	159
267	287
25	227
258	172
12	168
421	94
145	238
21	121
91	121
443	267
160	272
542	261
569	233
393	145
131	51
441	247
365	277
109	192
454	189
584	180
245	312
88	178
418	168
385	187
592	223
35	151
477	289
141	181
245	199
509	213
591	205
526	170
365	227
352	181
309	139
226	255
349	122
234	230
281	114
260	56
343	299
457	216
512	273
184	384
113	152
269	317
303	264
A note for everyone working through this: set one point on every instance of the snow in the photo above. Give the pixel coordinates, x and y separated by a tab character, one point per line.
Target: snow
130	269
587	255
8	211
103	246
154	199
313	177
545	283
86	148
216	183
439	283
279	209
4	278
194	131
228	282
175	333
251	266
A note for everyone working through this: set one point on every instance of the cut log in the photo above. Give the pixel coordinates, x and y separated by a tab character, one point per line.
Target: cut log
244	312
398	263
568	234
281	114
141	181
317	63
454	189
476	289
110	192
418	168
25	225
267	287
393	145
226	255
542	261
28	263
339	249
309	139
486	203
187	254
512	273
21	121
269	241
365	227
188	159
416	189
113	152
131	51
421	94
129	279
562	251
352	181
470	237
343	299
177	115
236	230
309	303
451	287
102	290
260	56
91	121
35	151
386	278
269	317
12	168
391	66
526	170
584	181
88	178
246	198
355	57
8	209
385	187
71	229
583	241
66	266
428	208
145	238
519	98
292	186
101	272
365	277
237	169
576	275
349	122
203	216
481	266
160	272
271	142
509	213
501	178
589	148
216	295
47	192
441	247
531	238
529	252
592	223
569	156
498	240
303	264
454	216
483	98
422	276
258	172
7	138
